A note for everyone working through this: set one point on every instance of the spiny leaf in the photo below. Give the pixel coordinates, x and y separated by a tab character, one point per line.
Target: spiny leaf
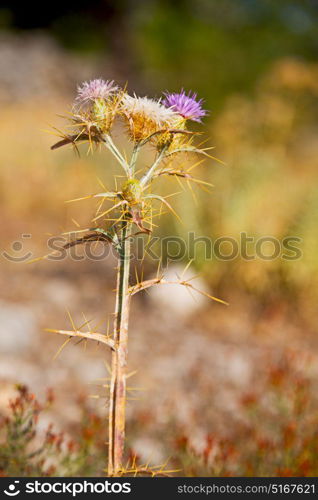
163	200
161	281
72	139
99	337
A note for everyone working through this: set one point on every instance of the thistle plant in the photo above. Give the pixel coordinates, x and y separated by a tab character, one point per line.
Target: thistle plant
163	125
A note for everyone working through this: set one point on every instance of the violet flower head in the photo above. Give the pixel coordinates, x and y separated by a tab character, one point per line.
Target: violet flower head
186	105
95	89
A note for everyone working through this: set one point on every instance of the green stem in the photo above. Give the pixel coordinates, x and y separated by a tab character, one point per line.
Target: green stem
119	356
134	157
147	177
113	149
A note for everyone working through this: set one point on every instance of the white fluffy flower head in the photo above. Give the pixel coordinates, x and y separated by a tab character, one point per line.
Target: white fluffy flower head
148	108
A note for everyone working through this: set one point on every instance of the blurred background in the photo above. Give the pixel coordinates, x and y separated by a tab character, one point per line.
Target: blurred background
221	387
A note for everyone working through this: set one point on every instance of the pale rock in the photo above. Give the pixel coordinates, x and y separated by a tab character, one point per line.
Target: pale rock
18	328
178	300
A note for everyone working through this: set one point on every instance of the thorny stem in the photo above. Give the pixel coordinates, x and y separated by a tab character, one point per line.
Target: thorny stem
134	158
147	177
119	357
117	397
113	149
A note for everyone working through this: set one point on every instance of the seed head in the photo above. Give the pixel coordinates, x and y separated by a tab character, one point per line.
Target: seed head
146	116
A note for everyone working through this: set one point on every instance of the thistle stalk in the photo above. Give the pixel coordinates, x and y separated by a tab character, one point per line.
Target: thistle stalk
148	121
146	178
117	398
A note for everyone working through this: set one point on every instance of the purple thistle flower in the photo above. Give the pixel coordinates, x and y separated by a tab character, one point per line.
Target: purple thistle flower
186	105
95	89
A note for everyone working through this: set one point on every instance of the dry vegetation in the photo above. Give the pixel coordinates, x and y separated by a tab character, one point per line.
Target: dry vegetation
230	391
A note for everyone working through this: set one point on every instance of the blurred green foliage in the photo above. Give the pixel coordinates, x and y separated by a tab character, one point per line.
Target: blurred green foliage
217	47
212	46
